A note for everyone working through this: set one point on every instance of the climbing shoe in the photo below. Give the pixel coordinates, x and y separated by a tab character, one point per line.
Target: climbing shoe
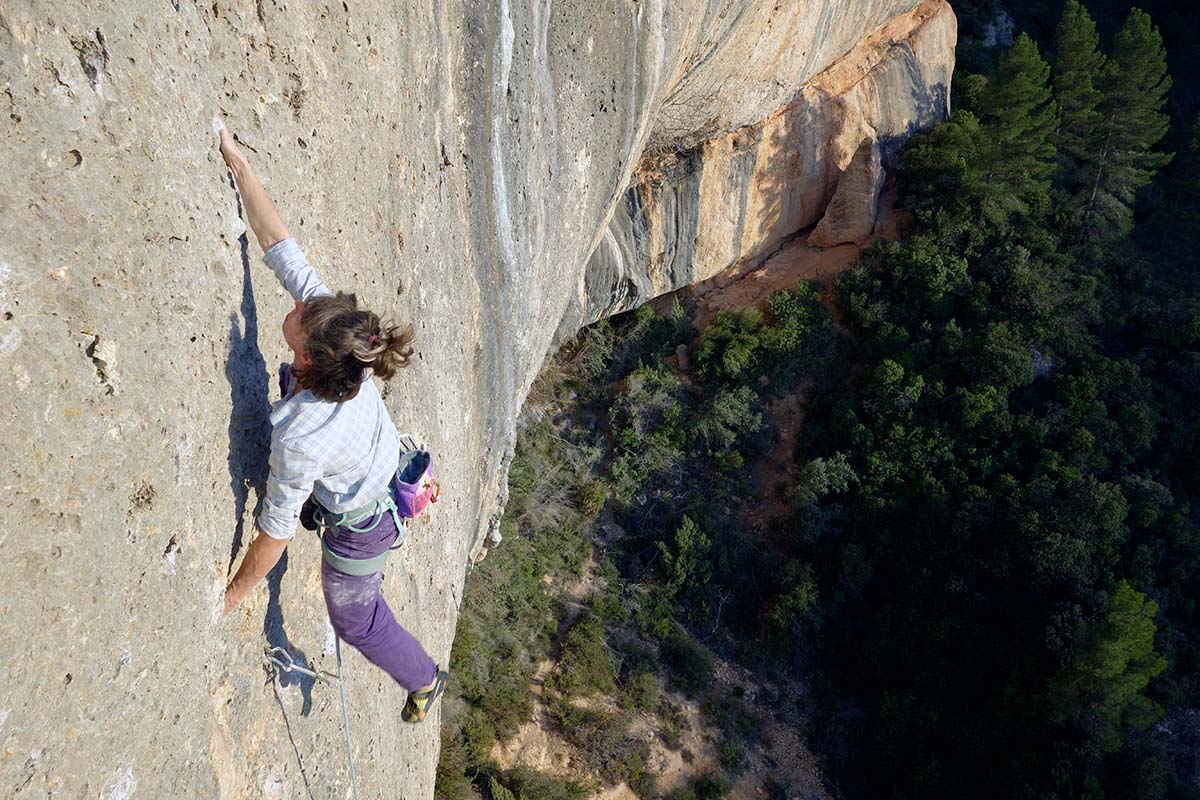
419	702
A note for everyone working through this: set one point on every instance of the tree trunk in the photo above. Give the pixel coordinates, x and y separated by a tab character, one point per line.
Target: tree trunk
1087	213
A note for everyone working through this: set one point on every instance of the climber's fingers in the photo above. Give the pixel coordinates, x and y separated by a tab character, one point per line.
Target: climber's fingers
229	149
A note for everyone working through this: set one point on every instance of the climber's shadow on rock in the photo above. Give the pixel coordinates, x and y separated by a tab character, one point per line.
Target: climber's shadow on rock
249	421
249	450
277	637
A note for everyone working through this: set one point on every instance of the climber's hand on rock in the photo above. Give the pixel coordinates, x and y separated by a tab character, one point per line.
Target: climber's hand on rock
260	212
231	152
231	601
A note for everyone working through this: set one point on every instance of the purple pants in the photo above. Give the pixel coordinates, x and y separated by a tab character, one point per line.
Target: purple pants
362	619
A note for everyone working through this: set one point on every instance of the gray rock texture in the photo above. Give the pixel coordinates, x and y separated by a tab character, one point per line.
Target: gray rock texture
694	210
453	163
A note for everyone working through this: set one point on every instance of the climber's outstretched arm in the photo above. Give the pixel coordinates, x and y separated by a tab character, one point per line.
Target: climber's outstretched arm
260	211
261	557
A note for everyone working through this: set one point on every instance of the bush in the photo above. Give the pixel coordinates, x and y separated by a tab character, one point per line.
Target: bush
641	692
529	784
479	737
728	350
451	782
498	791
614	752
735	718
508	704
706	787
571	720
686	560
650	339
732	415
653	614
733	758
690	664
592	496
797	337
584	665
648	426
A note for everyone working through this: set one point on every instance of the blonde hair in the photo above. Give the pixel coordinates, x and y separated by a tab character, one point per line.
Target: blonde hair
343	340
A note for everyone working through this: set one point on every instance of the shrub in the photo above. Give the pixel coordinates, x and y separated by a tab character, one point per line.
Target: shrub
648	340
648	425
728	350
479	737
735	718
508	703
529	784
733	758
797	336
641	692
571	720
686	560
706	787
653	614
690	664
450	782
592	496
731	416
711	787
584	665
614	752
498	791
799	601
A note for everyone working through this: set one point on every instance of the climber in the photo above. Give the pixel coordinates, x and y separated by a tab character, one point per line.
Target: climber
332	437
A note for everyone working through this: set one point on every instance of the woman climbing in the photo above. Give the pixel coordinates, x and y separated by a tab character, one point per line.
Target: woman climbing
332	437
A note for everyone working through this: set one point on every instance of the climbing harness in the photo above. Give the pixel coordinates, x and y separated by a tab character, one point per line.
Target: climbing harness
410	492
371	514
283	659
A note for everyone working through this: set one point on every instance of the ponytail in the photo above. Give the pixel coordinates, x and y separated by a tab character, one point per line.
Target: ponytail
387	349
343	340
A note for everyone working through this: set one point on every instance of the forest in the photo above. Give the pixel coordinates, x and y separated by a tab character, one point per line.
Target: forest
976	575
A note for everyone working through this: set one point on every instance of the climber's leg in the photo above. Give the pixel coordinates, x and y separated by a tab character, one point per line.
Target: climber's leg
363	620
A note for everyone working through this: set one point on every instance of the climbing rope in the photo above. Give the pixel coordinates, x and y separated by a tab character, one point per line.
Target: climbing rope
283	659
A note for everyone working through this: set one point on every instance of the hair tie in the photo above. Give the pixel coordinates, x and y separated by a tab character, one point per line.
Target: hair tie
372	340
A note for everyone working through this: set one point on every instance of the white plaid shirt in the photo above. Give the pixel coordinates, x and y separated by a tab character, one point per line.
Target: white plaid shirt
344	453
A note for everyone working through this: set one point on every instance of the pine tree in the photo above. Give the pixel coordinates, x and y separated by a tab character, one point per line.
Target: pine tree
1116	660
1135	85
1080	64
1019	119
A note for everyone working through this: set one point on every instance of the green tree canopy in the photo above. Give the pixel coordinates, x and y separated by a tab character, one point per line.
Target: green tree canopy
731	415
1135	85
1105	683
1080	63
687	562
1019	114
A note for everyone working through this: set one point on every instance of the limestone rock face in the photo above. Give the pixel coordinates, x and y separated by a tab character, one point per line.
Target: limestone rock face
691	213
850	215
454	164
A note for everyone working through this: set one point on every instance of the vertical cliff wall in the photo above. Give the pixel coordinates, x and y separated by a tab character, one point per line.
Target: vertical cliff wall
453	163
695	208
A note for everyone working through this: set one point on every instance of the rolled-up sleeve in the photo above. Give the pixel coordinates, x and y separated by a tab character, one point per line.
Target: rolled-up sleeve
287	261
288	486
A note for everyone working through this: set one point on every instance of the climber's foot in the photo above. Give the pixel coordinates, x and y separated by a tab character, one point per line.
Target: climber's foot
419	702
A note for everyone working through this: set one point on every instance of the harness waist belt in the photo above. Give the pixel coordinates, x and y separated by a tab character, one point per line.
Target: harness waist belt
348	519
